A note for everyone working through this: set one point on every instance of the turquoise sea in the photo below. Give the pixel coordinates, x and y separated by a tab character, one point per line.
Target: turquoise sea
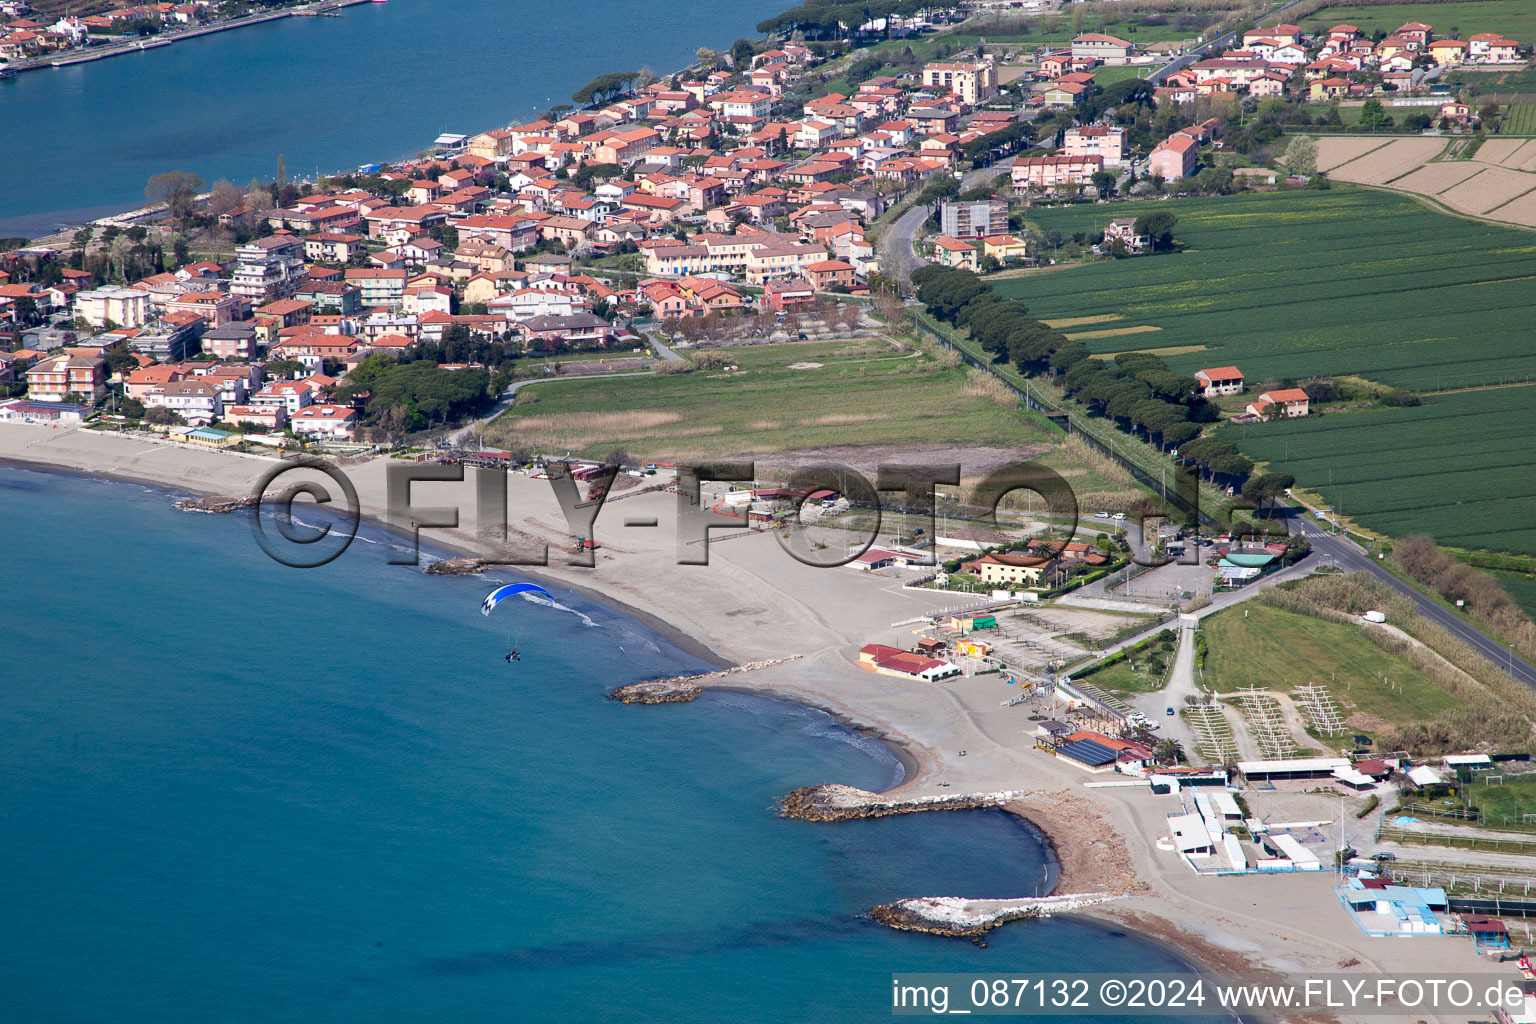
236	791
378	83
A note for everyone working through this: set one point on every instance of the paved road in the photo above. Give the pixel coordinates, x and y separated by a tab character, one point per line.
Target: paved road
897	257
1347	555
1204	49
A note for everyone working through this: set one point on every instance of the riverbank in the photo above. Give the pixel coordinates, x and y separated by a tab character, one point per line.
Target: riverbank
752	602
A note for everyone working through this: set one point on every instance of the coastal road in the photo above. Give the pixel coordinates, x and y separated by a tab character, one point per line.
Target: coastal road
1347	555
897	257
458	437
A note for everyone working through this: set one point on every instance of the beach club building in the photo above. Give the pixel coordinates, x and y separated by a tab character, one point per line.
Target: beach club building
893	661
41	413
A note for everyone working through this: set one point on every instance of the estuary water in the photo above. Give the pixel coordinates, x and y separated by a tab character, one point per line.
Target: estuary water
238	791
378	83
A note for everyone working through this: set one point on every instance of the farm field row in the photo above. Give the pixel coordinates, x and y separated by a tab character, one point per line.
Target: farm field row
1307	283
1519	119
1498	183
1344	282
1458	467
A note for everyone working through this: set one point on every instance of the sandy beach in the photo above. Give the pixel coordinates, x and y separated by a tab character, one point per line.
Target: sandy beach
753	601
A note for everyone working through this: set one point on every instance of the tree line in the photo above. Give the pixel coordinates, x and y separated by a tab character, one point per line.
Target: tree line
1136	389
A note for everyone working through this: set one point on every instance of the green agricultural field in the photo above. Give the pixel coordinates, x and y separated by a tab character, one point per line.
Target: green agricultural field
1277	650
1520	586
1344	282
1519	119
1458	467
1514	18
782	397
1307	283
1110	74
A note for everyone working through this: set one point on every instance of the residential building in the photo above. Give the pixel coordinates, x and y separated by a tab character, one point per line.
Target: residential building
1004	247
974	219
195	400
576	330
829	274
122	307
1174	158
1054	172
268	417
955	252
1123	230
1108	142
268	268
68	373
337	421
1108	49
789	294
974	82
379	287
1287	402
169	339
1002	569
1222	380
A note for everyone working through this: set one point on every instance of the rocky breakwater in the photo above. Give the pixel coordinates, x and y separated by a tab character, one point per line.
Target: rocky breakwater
966	918
836	802
220	504
461	566
681	689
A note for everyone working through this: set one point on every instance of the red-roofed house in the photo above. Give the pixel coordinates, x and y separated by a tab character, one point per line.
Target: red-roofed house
1222	380
1174	158
1291	401
893	661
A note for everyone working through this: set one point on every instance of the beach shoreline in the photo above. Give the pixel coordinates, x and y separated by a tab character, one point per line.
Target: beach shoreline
754	603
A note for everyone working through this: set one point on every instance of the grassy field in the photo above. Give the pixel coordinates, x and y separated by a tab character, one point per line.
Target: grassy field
1345	282
784	396
1278	650
1502	803
1519	119
1457	467
1127	678
1110	74
1304	283
1514	18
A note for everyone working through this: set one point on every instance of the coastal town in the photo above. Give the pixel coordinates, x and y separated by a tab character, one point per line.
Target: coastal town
691	198
1251	713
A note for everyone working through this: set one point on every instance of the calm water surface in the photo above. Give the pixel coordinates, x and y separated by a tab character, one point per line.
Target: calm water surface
237	791
378	83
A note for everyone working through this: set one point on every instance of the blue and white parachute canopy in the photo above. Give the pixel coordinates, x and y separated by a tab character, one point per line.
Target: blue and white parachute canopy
500	594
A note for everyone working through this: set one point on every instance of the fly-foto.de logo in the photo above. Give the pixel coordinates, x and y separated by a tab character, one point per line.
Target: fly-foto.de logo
801	509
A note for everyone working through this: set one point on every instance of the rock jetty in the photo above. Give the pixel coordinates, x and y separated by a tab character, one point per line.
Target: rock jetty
966	918
221	505
460	566
836	802
681	689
